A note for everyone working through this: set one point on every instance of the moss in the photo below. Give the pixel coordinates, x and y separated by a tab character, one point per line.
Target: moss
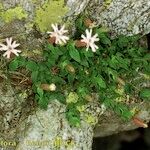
13	13
34	1
50	12
91	119
107	3
58	141
72	97
1	7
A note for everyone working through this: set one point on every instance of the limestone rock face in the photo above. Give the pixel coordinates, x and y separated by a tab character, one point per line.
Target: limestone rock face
50	130
126	17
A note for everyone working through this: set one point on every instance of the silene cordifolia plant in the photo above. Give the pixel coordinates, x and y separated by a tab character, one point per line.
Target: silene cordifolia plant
91	62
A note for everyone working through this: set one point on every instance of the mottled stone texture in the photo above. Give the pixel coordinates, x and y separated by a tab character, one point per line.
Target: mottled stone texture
127	17
52	131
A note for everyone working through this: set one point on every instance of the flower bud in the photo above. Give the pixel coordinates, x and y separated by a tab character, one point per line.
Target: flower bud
79	43
70	68
88	98
52	87
140	122
89	23
52	40
48	87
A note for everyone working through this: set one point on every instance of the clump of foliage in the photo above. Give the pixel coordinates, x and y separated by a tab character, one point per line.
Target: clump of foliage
78	73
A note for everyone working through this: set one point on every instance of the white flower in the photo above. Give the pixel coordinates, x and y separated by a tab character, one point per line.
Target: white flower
59	34
90	40
9	48
52	87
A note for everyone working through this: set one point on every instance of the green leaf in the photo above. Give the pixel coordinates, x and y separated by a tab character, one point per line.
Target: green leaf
79	25
114	63
100	81
117	62
34	76
58	51
55	50
119	108
88	54
55	95
123	111
105	40
82	90
103	37
32	66
50	47
145	94
71	78
43	67
123	62
43	103
22	62
147	56
128	89
103	30
61	98
73	52
73	115
123	41
74	121
85	63
14	65
40	92
51	61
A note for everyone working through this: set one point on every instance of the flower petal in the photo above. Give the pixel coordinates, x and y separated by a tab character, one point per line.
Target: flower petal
14	45
15	51
55	27
3	47
7	54
93	48
9	41
95	37
62	28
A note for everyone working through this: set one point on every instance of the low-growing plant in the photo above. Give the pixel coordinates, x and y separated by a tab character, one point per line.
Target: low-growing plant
72	74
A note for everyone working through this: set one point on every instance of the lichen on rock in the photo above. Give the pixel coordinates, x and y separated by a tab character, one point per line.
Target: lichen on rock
13	13
50	12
